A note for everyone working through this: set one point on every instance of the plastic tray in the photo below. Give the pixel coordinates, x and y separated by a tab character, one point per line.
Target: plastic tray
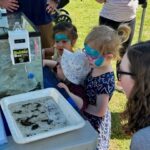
75	120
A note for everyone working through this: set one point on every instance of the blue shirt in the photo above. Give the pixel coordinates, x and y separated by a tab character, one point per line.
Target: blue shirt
35	10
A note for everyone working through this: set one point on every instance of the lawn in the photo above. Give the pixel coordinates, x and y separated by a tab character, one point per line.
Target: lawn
84	14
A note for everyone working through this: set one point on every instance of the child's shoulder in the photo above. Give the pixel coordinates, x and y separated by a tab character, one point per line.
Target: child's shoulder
107	78
103	75
107	75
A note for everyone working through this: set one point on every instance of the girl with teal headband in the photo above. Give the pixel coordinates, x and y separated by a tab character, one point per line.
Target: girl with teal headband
101	45
65	36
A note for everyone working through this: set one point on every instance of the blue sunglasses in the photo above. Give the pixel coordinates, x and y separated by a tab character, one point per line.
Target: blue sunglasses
94	54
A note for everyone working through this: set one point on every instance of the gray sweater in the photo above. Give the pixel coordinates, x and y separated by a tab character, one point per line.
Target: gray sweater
141	140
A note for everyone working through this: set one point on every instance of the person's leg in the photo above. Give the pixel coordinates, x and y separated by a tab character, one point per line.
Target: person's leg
47	38
108	22
46	35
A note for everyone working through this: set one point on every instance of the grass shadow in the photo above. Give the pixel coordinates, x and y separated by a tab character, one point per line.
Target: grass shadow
116	130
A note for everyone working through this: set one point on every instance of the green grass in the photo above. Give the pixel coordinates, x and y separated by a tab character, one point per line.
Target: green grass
85	15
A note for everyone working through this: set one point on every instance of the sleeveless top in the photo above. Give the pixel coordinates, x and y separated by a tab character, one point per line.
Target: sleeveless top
103	84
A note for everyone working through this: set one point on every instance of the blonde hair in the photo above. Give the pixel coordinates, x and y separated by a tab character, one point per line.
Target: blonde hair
107	40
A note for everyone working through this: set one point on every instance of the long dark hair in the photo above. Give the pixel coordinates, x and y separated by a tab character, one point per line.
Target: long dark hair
137	113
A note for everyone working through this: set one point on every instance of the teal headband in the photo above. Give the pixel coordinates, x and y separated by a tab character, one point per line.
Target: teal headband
60	37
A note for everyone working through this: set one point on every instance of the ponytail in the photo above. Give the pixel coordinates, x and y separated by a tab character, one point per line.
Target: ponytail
124	32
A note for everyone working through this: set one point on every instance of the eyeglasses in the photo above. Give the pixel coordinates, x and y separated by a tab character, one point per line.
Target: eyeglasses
119	73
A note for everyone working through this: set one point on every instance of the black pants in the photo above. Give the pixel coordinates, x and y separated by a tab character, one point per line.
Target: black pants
115	25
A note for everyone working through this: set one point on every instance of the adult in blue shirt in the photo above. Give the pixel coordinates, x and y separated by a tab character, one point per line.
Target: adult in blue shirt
38	12
10	5
134	76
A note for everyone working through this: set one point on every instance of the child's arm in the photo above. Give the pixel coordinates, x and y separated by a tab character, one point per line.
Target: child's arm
77	99
47	52
49	63
101	105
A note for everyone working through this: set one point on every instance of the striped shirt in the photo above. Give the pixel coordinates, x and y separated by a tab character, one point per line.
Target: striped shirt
119	10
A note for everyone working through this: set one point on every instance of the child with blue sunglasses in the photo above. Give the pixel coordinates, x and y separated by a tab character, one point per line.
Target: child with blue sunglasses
65	36
101	45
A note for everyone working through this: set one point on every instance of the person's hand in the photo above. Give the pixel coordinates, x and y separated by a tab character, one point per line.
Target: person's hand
44	62
62	85
101	1
10	5
47	53
52	5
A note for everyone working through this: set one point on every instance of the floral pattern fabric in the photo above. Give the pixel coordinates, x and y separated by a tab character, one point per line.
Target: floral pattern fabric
103	84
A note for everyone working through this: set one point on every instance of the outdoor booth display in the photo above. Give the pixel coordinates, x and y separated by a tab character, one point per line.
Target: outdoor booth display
37	118
20	51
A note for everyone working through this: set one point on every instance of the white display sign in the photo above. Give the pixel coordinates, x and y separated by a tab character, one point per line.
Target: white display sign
19	46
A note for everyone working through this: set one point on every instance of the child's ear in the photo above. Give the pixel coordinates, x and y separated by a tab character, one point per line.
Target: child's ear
109	55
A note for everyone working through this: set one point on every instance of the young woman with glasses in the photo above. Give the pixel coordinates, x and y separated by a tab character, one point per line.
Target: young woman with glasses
134	75
101	45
